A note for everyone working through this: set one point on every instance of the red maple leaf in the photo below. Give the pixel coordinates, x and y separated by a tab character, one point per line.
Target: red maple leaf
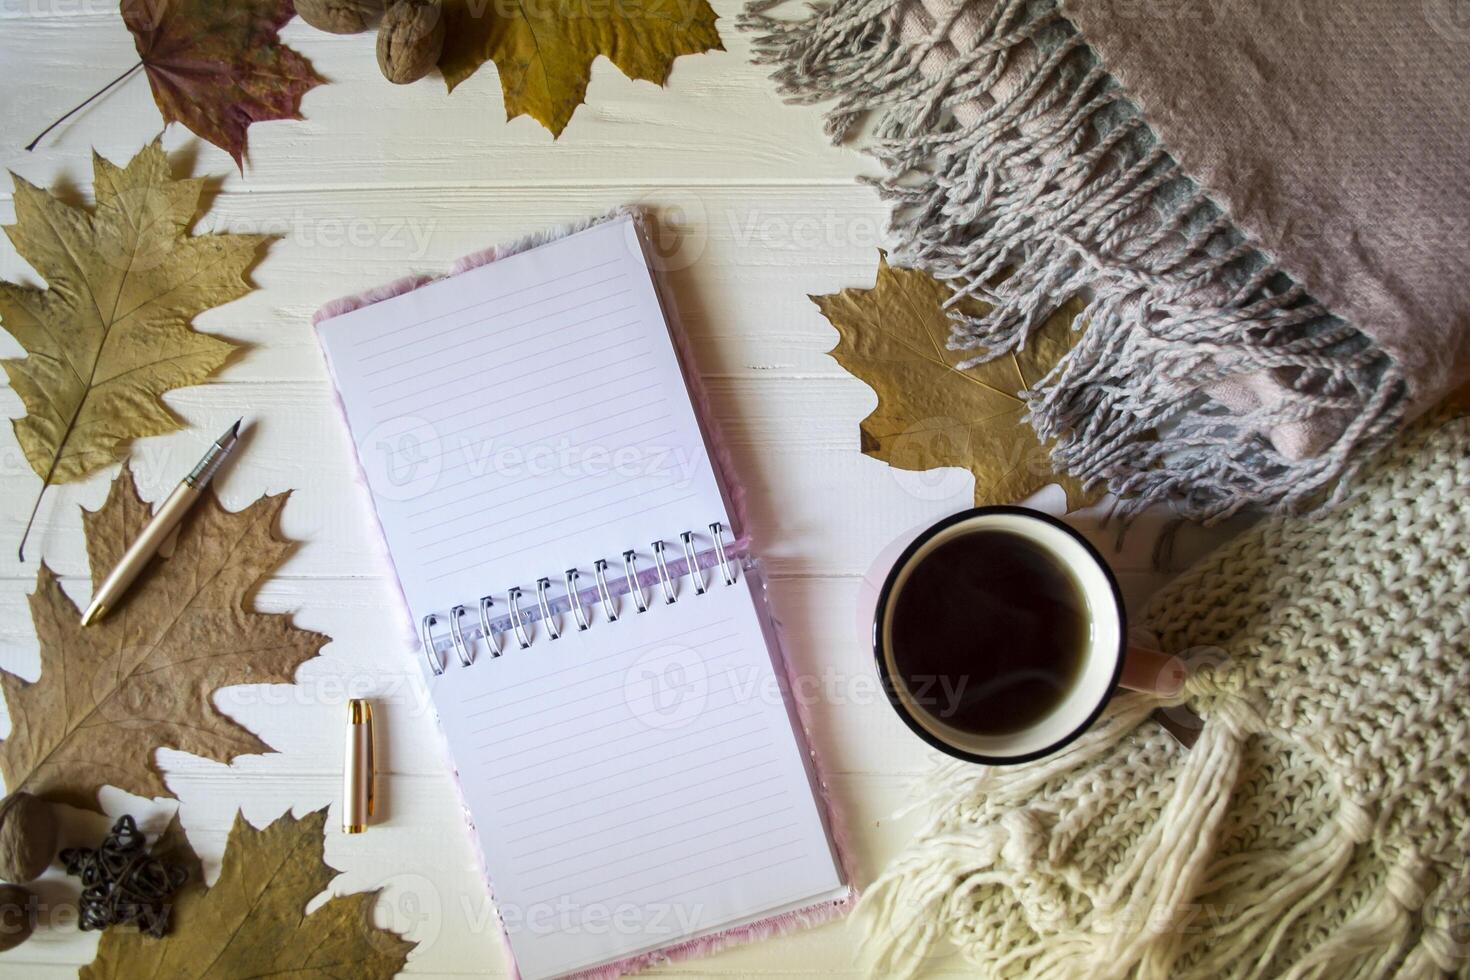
219	65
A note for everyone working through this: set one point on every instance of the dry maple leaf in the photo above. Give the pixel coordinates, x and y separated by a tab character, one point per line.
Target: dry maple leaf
930	413
172	847
219	65
144	676
252	922
111	333
544	49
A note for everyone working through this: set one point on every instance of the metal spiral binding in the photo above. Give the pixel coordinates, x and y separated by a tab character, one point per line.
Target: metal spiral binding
549	608
485	603
718	530
513	597
576	600
543	586
609	608
456	634
670	594
426	632
630	571
691	562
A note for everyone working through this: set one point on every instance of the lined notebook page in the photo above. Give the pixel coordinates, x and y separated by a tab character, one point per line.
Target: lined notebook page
522	418
636	784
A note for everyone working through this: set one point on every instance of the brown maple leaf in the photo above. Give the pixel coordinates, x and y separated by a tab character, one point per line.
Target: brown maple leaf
930	413
252	922
111	693
219	65
544	49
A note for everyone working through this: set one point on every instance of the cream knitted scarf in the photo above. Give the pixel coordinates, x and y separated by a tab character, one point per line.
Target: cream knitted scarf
1320	826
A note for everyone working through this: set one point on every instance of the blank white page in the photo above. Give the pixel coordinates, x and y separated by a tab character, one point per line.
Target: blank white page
637	784
522	418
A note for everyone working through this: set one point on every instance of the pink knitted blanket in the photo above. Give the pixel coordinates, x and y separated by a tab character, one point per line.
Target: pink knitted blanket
1264	206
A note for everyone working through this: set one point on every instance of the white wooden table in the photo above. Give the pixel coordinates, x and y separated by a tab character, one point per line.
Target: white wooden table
380	180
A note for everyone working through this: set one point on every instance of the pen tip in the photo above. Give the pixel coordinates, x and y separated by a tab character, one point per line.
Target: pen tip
233	431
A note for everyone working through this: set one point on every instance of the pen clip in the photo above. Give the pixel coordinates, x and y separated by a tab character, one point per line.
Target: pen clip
372	768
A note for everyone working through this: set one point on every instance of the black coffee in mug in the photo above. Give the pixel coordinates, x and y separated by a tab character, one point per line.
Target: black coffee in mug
998	634
990	632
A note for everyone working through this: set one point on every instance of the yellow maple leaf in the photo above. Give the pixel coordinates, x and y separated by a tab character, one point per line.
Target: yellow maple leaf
253	922
544	49
112	333
929	412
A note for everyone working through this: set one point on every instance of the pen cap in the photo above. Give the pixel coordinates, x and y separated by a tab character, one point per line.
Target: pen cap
357	768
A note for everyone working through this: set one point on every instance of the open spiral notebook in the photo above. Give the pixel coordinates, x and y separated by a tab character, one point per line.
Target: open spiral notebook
596	640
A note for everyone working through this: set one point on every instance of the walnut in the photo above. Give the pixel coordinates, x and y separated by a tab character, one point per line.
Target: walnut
18	911
410	39
340	16
27	837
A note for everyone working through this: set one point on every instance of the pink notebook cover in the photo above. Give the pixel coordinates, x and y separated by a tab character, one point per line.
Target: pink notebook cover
502	735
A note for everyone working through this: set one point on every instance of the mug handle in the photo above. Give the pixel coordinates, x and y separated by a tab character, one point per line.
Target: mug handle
1153	672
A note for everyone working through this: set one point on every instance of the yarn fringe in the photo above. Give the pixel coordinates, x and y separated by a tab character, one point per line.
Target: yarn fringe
984	836
985	833
1019	172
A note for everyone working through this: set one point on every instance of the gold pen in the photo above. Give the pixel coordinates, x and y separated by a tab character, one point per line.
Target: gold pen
142	550
357	768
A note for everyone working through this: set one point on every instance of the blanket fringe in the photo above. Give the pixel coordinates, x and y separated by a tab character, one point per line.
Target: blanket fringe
1021	174
989	832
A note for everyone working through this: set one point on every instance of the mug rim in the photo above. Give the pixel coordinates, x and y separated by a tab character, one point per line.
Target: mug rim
880	615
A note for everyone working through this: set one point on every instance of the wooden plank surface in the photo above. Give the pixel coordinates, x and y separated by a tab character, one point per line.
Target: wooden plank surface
382	180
